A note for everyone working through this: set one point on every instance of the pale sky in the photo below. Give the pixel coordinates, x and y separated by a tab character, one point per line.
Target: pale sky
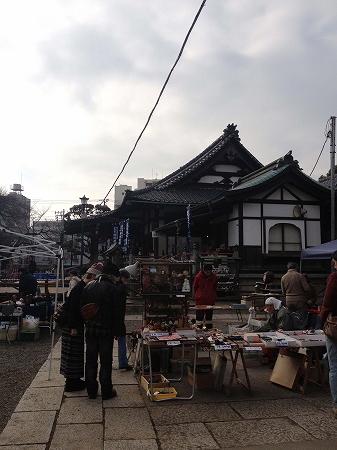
79	78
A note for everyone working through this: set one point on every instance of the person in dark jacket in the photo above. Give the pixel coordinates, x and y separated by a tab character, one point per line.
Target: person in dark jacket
101	330
204	287
72	343
27	283
31	265
330	305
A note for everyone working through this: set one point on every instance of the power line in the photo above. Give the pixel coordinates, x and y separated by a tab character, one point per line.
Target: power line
160	94
327	135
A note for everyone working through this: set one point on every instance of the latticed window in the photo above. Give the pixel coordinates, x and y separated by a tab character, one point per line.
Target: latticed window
284	237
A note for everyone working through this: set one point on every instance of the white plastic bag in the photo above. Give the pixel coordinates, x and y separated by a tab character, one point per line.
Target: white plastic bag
30	323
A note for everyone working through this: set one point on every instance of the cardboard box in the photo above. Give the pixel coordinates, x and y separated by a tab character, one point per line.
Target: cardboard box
161	383
162	393
29	335
203	381
203	365
177	353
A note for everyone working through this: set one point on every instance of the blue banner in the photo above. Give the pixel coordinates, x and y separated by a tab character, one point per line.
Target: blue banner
188	212
127	236
115	232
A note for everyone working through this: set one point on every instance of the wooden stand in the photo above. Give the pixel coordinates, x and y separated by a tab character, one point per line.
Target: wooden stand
290	366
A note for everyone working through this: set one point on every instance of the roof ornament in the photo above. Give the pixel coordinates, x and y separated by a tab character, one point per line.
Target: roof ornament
286	160
231	131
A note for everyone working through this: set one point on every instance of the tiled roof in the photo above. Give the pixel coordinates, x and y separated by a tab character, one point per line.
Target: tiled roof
184	172
185	195
259	179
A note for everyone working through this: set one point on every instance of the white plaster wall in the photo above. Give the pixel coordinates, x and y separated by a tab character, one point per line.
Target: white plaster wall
301	194
313	233
251	232
234	214
313	211
233	233
251	210
282	210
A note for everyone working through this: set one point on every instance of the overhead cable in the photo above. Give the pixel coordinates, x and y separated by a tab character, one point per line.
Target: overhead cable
160	94
327	135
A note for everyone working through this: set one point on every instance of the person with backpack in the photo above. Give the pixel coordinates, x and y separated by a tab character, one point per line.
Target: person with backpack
101	330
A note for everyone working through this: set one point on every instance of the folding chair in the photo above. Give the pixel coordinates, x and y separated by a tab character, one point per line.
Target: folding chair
7	317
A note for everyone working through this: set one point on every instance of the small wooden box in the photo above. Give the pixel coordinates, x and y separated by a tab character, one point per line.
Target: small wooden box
161	383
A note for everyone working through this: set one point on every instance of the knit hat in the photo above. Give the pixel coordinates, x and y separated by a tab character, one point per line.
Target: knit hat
96	268
111	269
124	273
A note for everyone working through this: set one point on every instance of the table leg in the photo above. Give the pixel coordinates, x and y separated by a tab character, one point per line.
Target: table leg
238	351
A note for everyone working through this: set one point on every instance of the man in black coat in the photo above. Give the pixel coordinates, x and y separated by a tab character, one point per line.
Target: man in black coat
27	283
101	330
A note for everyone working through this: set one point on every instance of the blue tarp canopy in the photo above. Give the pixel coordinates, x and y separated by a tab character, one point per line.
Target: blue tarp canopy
323	251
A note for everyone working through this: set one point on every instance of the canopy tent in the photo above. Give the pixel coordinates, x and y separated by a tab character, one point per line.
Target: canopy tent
35	245
323	251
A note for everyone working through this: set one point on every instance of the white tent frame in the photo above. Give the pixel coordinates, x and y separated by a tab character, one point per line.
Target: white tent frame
40	247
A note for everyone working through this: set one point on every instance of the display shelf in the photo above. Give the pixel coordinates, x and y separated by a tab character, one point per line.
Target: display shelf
166	289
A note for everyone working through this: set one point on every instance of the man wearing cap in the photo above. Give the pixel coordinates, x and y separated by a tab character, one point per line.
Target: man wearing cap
204	287
72	344
281	319
100	331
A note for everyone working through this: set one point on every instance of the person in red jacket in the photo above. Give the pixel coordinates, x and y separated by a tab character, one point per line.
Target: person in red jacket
204	287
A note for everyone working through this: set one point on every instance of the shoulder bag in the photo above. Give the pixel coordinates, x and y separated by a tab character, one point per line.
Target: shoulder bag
330	327
90	310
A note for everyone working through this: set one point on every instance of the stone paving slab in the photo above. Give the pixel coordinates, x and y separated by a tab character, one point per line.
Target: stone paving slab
80	410
128	396
257	431
192	413
307	445
260	409
41	399
320	425
41	379
78	437
33	427
189	436
24	447
123	377
133	423
148	444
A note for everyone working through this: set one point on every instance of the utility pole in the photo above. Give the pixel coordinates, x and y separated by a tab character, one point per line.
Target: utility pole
332	170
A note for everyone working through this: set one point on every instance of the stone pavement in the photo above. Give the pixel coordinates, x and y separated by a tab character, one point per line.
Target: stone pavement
47	418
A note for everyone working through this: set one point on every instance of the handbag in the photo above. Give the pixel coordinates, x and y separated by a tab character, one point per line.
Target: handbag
61	315
330	327
90	310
